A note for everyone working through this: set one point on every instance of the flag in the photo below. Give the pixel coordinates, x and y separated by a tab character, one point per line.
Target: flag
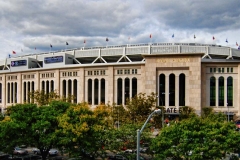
9	56
107	39
150	36
66	43
128	38
226	41
239	47
13	52
21	49
236	44
213	38
173	35
194	36
84	41
50	45
35	48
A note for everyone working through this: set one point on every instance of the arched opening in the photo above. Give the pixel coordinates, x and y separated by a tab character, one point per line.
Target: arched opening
119	91
221	91
134	87
161	94
127	90
182	89
64	84
75	88
230	91
172	90
212	91
103	91
96	90
90	91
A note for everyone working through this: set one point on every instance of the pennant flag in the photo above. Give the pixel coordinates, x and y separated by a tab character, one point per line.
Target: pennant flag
84	41
13	52
50	45
107	39
236	44
226	41
213	38
173	35
66	43
194	36
150	36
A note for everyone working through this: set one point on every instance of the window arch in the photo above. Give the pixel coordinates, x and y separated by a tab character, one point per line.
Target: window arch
221	91
89	91
161	94
172	90
212	91
182	89
134	86
103	90
126	89
230	91
119	91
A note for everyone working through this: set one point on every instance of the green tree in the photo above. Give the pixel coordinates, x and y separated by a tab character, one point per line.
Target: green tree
31	125
197	138
139	107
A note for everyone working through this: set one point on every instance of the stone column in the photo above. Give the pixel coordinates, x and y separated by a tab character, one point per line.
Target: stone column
123	91
225	92
167	90
99	91
93	97
177	91
217	91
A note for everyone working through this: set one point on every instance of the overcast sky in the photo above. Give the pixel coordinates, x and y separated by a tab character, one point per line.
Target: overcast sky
30	26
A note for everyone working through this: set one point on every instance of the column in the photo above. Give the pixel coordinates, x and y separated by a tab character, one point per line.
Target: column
93	98
14	92
27	91
217	91
123	91
10	89
72	90
177	91
99	91
66	90
225	91
19	89
167	90
4	91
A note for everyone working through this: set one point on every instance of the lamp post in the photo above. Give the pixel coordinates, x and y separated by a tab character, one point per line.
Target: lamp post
140	131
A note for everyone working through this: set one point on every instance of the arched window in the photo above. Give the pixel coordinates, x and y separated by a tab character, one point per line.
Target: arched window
221	91
212	91
0	92
96	89
43	86
230	91
134	87
119	91
172	90
90	91
75	88
28	91
182	89
47	87
127	89
64	84
24	91
103	91
52	86
161	94
69	92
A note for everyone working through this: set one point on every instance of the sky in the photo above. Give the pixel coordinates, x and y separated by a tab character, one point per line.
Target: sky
31	26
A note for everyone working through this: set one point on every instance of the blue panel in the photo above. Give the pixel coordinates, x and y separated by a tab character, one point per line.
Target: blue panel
55	59
18	63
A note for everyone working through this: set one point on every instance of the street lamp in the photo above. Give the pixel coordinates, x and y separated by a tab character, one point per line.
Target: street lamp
157	111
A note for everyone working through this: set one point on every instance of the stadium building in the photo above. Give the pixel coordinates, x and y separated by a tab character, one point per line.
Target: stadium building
182	74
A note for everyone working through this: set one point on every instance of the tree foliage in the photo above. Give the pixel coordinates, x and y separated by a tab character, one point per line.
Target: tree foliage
140	106
197	138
